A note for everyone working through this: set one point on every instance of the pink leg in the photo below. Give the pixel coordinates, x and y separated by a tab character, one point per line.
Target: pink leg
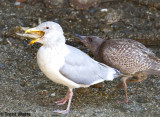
69	103
125	88
64	100
120	85
124	85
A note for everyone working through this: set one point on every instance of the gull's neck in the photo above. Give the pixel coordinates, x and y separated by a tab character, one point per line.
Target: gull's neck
59	49
55	42
55	45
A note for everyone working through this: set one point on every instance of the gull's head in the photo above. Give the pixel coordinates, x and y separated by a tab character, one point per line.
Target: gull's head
92	42
49	33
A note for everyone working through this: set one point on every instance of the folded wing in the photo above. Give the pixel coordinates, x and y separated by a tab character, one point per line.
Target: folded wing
82	69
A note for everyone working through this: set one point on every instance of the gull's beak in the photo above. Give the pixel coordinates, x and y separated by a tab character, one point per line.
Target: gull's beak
35	32
80	38
33	41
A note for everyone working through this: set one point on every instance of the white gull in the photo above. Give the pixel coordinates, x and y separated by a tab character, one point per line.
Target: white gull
65	64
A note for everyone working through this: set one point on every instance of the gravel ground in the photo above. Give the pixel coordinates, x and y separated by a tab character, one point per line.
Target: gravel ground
25	91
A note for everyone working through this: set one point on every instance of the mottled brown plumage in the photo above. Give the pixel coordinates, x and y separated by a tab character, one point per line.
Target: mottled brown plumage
128	56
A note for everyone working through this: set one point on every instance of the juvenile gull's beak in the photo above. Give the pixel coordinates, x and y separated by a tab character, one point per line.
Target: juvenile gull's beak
79	37
35	32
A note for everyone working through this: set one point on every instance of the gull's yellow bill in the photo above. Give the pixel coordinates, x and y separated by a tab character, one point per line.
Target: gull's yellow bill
35	32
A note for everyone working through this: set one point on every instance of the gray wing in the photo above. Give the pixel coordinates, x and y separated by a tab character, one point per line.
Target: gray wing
82	69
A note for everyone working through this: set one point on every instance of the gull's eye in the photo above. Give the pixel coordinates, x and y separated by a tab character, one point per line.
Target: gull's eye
47	27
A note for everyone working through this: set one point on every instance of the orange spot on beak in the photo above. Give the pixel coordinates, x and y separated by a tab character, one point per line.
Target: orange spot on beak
33	41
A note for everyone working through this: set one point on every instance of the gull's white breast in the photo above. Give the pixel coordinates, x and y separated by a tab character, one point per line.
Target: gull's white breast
50	61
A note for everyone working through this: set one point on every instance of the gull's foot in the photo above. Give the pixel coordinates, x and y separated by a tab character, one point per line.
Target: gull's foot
61	111
61	102
124	101
65	99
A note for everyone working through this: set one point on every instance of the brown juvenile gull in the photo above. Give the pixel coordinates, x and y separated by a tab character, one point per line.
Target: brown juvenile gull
128	56
65	64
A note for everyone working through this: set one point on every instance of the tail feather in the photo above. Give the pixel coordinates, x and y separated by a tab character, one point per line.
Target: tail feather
151	71
110	72
155	67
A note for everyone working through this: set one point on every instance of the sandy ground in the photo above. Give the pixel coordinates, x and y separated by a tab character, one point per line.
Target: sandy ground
25	91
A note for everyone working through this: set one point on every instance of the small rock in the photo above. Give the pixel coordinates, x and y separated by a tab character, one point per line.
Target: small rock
2	66
99	85
53	3
113	16
53	94
83	90
23	83
104	10
1	39
84	4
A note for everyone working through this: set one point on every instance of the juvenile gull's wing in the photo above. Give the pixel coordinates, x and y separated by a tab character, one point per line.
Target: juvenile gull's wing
82	69
128	56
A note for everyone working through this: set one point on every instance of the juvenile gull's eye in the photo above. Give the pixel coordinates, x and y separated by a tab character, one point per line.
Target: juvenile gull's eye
47	27
90	39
